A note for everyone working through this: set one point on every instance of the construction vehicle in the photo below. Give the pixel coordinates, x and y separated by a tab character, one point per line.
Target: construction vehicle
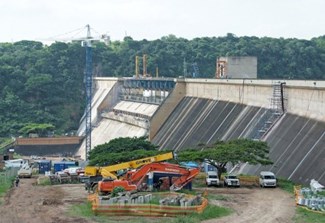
134	179
25	170
96	174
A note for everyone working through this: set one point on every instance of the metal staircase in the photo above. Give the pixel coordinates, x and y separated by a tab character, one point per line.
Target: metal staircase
277	109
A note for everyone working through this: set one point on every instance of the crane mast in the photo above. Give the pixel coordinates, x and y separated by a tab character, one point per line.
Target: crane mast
88	98
88	84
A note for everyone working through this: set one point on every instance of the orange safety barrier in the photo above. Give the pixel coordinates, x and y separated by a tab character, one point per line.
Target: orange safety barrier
145	210
297	193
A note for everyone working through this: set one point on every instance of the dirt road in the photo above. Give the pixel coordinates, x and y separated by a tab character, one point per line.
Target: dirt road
29	203
267	205
48	204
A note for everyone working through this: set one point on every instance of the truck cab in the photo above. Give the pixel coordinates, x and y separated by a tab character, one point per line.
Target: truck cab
231	181
267	179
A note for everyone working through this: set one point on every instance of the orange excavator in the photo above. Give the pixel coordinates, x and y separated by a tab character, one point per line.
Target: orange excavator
96	174
134	179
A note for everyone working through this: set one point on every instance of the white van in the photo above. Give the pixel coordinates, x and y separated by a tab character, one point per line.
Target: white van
212	178
267	179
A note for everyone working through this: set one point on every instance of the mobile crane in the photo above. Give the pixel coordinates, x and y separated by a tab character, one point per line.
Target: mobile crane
135	179
96	174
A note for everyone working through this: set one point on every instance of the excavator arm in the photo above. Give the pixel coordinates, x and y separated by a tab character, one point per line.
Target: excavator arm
184	179
186	175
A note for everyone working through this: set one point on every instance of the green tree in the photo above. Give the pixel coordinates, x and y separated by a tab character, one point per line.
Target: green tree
235	151
40	129
122	150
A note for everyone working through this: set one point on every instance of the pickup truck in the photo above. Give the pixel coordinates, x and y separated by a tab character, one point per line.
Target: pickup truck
231	181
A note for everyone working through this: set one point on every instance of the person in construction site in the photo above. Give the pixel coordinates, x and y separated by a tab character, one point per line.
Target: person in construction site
17	181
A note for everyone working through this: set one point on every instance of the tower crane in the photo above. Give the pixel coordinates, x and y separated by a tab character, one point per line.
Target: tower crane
88	84
87	43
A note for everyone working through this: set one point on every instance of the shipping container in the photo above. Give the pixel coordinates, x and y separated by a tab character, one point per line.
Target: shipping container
59	166
44	166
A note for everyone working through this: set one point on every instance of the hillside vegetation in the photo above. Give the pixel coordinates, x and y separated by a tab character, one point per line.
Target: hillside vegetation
42	84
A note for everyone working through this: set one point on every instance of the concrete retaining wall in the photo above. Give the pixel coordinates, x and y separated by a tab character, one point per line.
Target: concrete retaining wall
48	141
111	99
304	98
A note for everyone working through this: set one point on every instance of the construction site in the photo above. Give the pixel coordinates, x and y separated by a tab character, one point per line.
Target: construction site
176	114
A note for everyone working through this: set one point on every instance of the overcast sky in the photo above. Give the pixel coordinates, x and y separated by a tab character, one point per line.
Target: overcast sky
153	19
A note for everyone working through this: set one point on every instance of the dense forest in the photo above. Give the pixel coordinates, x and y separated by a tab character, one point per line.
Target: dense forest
44	84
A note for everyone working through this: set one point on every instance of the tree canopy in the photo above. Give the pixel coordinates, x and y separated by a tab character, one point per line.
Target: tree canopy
218	154
39	129
235	151
122	150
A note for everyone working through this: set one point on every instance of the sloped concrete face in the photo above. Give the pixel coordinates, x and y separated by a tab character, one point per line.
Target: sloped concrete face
146	110
197	120
298	149
109	129
297	144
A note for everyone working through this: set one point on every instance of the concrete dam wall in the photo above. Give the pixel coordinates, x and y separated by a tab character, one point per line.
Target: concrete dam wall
225	109
206	110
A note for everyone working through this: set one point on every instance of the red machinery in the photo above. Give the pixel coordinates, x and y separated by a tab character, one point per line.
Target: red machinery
135	179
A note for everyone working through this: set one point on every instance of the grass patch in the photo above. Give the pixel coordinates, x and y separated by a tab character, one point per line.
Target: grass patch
302	215
305	216
155	200
43	181
218	197
322	193
210	212
5	184
286	185
17	156
83	210
5	142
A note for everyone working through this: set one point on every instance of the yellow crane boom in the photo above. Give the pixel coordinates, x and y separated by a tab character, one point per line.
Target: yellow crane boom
110	171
